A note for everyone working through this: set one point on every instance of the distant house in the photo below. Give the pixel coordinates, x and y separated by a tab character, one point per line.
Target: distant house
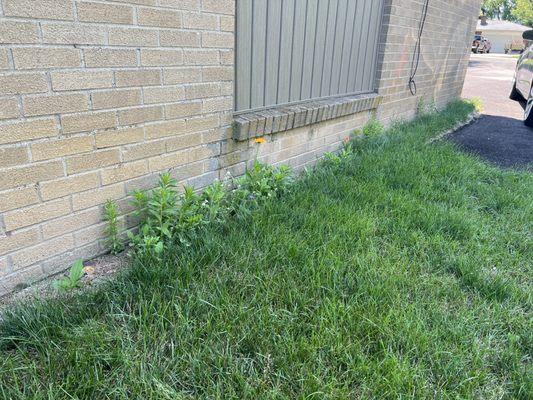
502	34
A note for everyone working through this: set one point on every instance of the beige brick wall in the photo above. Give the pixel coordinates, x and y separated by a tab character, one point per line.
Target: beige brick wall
98	97
444	56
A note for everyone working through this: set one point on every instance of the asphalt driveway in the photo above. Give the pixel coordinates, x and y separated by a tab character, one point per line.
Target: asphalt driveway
500	135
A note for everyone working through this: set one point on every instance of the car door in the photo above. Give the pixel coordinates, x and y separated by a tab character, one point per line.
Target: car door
524	72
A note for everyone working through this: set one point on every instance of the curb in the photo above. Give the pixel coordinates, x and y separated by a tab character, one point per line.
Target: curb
473	117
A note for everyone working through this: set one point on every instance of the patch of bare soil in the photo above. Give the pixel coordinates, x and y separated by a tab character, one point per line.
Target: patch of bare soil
96	271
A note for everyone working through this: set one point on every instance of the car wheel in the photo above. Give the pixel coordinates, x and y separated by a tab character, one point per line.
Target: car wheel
515	95
528	113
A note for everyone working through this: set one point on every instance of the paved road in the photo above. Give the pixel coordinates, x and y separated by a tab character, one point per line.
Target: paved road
499	136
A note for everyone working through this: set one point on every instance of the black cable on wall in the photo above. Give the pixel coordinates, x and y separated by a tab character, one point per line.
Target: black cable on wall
416	54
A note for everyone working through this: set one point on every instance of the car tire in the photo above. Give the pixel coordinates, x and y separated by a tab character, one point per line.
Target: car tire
515	95
528	112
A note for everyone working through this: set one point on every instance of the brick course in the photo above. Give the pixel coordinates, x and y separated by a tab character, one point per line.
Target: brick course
98	97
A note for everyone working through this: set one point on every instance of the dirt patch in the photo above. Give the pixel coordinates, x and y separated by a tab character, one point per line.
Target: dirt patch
96	271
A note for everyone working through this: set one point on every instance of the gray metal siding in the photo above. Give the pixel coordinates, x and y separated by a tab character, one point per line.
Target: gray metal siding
294	50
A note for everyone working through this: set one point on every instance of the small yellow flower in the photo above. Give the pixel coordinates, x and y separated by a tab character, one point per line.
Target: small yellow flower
260	140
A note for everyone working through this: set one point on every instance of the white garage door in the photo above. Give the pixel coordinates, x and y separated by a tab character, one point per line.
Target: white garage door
501	40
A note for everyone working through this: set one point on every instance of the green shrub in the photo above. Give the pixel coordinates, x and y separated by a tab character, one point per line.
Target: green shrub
372	128
73	280
112	231
166	218
346	151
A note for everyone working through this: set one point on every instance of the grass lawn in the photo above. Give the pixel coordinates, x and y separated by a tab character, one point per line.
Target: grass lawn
402	272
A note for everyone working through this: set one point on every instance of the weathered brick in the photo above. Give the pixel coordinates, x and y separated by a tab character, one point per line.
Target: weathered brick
133	37
20	279
119	137
138	78
139	2
91	234
143	150
200	57
173	38
202	123
190	5
18	32
159	58
227	23
227	88
61	147
104	13
9	108
218	39
163	129
105	57
183	141
28	130
217	105
180	110
73	184
42	251
73	34
55	104
159	18
227	57
71	223
217	74
87	162
203	152
46	57
219	6
18	198
20	176
4	60
168	161
195	20
188	171
139	115
174	76
163	94
81	80
202	90
35	214
13	155
45	9
88	121
19	239
124	172
116	98
98	196
22	83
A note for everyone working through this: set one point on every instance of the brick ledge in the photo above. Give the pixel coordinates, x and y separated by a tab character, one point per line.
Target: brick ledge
283	118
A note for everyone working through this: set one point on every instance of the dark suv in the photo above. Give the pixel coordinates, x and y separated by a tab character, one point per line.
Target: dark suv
523	82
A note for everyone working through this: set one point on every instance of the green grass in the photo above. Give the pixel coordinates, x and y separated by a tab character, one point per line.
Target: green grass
403	272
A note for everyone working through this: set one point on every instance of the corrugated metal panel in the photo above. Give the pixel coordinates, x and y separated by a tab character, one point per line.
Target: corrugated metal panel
294	50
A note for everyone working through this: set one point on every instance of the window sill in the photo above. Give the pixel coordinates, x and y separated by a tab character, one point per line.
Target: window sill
279	119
